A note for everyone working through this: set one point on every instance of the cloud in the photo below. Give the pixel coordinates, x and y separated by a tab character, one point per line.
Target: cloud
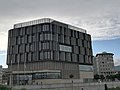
101	27
2	53
101	18
98	17
117	61
56	8
3	41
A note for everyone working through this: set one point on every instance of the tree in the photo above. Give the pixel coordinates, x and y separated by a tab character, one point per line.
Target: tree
118	76
71	76
107	77
112	77
117	88
23	89
102	77
2	87
96	77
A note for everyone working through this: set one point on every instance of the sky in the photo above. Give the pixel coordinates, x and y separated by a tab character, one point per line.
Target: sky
101	19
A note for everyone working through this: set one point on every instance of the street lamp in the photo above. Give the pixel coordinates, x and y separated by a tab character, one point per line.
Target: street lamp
11	74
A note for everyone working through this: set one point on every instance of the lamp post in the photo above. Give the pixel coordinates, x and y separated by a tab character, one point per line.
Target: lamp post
11	74
18	79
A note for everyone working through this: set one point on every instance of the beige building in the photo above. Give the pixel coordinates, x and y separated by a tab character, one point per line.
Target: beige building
104	64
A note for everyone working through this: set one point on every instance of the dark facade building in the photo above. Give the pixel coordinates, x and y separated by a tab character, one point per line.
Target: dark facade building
48	49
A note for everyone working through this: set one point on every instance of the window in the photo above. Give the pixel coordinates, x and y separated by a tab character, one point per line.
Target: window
40	45
67	39
68	57
47	75
65	48
29	38
29	57
22	57
48	36
27	47
55	37
46	28
32	46
46	55
55	46
33	38
46	45
41	55
62	56
81	59
56	55
39	28
74	57
18	40
73	41
34	28
85	68
76	49
41	37
61	38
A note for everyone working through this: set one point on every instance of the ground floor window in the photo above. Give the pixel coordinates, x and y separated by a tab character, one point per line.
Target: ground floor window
47	75
24	79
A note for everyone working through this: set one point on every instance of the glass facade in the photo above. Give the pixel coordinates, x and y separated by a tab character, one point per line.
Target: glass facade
24	79
51	41
47	75
65	48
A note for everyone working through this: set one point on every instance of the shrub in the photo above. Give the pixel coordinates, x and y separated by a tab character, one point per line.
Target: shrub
117	88
23	89
3	87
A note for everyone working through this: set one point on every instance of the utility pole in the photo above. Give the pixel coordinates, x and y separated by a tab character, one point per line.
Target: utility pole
11	74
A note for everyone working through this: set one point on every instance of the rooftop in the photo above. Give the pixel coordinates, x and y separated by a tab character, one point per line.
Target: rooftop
104	53
45	20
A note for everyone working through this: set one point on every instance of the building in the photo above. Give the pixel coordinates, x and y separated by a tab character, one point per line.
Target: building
5	76
0	74
48	49
104	64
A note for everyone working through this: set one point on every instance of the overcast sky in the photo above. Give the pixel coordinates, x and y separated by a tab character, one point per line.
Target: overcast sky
101	18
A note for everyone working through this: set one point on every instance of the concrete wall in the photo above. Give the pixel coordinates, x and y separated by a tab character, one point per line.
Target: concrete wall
66	68
85	74
71	86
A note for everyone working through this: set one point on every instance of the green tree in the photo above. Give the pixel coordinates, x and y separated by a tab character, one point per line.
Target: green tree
23	89
71	76
96	77
102	77
107	77
118	76
3	87
112	88
117	88
112	77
